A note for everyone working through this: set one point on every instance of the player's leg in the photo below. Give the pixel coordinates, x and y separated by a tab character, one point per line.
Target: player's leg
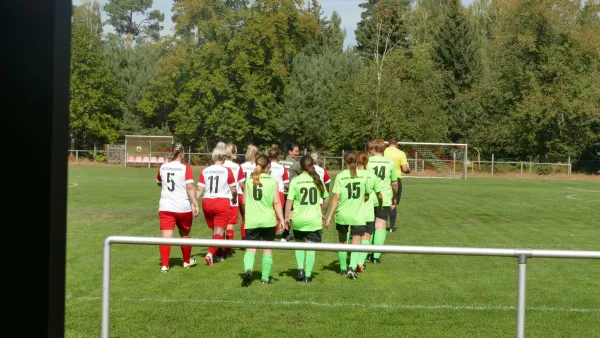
183	221
312	237
342	255
229	233
365	240
249	256
394	210
267	234
167	225
243	214
300	236
220	212
381	216
357	233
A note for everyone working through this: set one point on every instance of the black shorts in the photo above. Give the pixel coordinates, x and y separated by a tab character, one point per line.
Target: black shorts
382	213
261	234
399	193
310	236
355	230
370	227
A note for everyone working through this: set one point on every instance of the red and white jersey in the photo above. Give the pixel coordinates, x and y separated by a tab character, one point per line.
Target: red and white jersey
279	173
216	181
174	176
248	168
238	174
322	174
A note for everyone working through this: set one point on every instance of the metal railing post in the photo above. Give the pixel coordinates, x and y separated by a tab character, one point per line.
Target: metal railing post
106	288
492	164
521	292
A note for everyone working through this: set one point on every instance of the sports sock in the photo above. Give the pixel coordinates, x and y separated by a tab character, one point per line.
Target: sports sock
343	257
249	261
230	236
348	240
379	240
363	255
300	259
393	214
165	252
186	251
310	262
213	250
353	260
243	230
267	263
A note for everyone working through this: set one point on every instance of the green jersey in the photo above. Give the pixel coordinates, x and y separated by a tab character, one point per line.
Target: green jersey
383	168
259	202
372	182
352	191
304	193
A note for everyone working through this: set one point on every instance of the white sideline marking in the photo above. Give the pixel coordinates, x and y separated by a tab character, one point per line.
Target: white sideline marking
364	305
73	185
572	197
583	189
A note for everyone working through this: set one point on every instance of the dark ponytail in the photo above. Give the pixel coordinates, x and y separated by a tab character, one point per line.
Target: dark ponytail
306	163
350	160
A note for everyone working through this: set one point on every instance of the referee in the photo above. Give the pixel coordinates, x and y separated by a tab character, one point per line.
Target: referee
401	165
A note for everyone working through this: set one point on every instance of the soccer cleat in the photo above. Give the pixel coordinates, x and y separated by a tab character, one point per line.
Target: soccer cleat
376	261
190	264
392	230
307	279
219	259
208	259
352	274
344	272
369	257
247	279
263	281
284	240
300	275
360	268
164	269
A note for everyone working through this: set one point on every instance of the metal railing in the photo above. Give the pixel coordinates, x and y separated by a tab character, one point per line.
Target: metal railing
521	254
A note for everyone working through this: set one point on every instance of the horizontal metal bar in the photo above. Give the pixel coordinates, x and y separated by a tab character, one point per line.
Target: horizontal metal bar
149	136
433	144
425	250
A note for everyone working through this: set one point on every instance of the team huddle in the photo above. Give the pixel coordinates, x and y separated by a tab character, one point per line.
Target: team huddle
286	196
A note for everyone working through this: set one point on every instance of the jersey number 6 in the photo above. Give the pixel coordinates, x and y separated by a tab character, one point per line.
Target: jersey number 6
257	192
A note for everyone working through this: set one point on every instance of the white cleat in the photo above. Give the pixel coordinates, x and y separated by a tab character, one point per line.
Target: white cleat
190	264
283	240
164	269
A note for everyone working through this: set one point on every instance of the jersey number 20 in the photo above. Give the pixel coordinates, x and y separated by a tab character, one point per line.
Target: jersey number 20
311	194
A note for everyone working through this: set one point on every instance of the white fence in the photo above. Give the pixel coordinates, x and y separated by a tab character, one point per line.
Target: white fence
521	254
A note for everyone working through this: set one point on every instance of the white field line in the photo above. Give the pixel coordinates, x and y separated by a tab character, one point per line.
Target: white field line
584	190
572	197
73	185
346	305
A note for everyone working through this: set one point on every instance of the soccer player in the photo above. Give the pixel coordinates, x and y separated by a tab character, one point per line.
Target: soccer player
304	193
383	168
373	182
398	157
238	174
349	193
323	174
290	163
247	169
261	198
174	209
216	185
278	172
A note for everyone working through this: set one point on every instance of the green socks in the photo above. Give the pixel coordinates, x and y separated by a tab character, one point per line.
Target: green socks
267	263
343	257
379	240
354	260
300	259
310	262
248	261
362	256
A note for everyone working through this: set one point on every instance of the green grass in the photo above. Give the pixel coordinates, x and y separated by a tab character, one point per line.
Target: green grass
399	298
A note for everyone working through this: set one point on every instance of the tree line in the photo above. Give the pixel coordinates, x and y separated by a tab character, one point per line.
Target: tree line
518	78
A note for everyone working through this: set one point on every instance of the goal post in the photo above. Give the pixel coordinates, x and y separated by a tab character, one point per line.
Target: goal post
430	159
146	150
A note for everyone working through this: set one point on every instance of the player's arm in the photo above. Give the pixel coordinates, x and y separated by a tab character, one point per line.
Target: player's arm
404	164
290	202
286	179
159	179
232	183
278	211
334	203
191	191
200	189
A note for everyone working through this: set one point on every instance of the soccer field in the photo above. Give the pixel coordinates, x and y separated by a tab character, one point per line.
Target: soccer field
405	296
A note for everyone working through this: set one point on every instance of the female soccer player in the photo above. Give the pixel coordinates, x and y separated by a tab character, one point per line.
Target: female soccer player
373	182
247	169
174	208
261	198
278	172
238	174
349	193
216	185
304	194
383	168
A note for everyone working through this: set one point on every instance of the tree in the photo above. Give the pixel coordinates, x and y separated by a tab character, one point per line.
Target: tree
88	13
382	28
121	16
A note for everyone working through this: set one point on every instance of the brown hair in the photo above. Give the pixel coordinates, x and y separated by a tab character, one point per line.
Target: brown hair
350	160
174	150
377	146
363	158
274	152
306	163
392	139
231	151
262	162
251	153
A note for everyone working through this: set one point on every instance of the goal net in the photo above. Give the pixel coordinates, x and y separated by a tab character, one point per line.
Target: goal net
443	160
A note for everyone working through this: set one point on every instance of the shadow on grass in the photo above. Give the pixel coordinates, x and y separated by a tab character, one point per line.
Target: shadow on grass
256	277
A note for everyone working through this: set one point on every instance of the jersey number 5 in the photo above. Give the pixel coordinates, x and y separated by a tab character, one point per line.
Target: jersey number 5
380	172
169	180
257	192
353	190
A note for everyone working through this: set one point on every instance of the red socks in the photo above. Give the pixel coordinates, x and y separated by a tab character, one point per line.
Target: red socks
186	251
243	230
213	250
165	252
228	235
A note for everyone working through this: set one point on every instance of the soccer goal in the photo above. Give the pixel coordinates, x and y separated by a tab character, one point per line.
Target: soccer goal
443	160
146	151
